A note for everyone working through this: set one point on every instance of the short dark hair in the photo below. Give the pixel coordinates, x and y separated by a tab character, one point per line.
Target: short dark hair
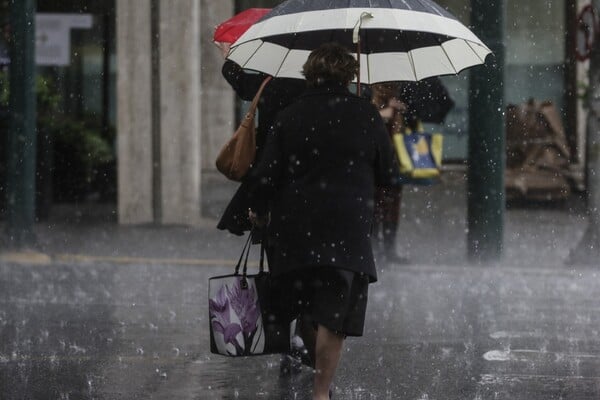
330	62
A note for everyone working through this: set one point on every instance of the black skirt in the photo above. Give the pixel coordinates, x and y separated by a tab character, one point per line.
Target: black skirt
332	297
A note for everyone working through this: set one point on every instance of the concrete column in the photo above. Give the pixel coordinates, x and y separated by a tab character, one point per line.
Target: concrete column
158	117
179	111
134	111
21	143
486	137
218	118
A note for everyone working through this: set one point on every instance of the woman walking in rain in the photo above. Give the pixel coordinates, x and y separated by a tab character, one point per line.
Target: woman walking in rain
277	95
315	186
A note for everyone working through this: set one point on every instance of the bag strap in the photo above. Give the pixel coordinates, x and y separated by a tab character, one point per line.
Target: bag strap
245	251
244	257
254	104
261	263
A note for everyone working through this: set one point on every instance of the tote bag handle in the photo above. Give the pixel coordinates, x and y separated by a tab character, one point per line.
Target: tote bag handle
244	258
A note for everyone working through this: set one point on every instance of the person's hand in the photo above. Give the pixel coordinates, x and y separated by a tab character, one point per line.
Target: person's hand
387	113
224	47
257	220
397	104
394	105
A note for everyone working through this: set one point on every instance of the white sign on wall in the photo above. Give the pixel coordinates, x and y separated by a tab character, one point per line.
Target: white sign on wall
53	36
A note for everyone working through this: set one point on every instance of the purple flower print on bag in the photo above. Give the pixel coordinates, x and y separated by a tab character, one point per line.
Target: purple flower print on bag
235	318
245	304
220	317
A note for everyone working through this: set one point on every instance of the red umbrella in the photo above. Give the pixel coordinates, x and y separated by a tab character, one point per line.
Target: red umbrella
229	31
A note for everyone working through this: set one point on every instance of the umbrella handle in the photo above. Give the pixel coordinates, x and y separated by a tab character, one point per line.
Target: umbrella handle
356	39
355	31
358	73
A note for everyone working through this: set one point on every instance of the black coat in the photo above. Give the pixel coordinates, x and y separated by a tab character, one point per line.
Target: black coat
320	165
278	94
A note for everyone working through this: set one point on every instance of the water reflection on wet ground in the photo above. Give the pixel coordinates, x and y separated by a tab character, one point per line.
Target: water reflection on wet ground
101	331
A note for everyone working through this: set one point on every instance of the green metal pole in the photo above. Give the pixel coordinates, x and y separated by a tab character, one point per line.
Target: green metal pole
486	197
21	139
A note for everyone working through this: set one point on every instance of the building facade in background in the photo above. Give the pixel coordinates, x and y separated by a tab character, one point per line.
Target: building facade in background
139	110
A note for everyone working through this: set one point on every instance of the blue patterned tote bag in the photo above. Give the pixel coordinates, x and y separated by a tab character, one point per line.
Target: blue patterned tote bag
245	319
419	155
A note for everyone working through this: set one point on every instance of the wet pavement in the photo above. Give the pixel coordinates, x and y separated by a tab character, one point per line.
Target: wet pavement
101	331
108	312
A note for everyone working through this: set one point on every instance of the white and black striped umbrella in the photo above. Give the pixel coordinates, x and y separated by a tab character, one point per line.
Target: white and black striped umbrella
400	40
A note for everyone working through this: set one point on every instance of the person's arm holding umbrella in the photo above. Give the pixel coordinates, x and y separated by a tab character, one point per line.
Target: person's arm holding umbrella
235	216
227	32
243	83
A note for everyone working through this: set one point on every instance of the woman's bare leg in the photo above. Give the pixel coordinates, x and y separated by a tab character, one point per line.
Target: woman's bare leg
328	352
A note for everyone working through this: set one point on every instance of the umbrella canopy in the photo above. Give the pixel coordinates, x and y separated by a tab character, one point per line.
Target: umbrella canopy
400	40
230	30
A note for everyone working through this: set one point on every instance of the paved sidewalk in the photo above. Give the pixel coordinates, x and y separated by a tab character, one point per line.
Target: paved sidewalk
110	331
433	230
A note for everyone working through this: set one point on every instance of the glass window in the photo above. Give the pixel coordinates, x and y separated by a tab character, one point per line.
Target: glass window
87	83
534	65
76	124
535	51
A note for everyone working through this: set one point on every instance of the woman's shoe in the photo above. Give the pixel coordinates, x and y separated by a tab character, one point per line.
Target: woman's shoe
300	352
289	365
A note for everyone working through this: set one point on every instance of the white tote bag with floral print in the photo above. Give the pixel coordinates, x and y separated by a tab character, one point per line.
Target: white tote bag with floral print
243	319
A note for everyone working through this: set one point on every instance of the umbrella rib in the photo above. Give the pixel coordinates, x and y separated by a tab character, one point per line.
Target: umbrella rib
253	53
412	64
282	62
449	59
473	50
